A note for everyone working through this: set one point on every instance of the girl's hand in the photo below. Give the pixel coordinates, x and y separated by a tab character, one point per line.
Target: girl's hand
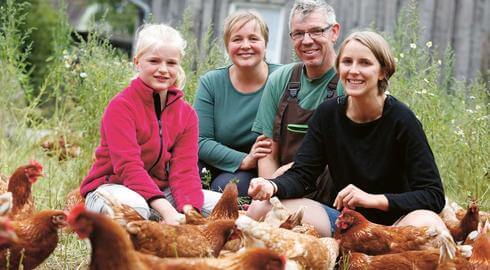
352	197
173	218
261	189
260	149
166	210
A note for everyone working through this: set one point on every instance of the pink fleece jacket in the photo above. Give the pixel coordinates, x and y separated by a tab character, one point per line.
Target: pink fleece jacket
130	145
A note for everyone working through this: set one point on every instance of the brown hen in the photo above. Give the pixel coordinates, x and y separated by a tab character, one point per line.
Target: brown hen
460	228
295	223
121	213
249	259
7	233
111	246
59	146
72	199
164	240
20	185
407	260
480	258
357	234
37	239
225	208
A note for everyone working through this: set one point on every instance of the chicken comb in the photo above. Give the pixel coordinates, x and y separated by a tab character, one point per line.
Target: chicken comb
344	210
36	164
75	212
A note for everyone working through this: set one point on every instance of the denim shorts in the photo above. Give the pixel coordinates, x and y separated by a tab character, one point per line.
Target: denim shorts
333	214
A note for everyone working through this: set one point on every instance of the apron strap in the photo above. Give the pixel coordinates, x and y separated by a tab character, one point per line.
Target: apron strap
291	93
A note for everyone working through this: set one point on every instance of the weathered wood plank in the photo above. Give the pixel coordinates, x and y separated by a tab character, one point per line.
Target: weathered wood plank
390	16
461	41
426	11
443	25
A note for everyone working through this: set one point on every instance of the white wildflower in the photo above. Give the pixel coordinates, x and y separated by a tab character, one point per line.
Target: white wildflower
428	44
396	60
402	55
470	111
478	107
471	97
459	132
83	75
413	45
204	170
439	62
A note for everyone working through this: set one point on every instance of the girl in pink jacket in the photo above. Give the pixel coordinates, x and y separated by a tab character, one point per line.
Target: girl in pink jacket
147	157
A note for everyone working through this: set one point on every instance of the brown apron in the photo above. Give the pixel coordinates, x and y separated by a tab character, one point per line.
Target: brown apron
290	126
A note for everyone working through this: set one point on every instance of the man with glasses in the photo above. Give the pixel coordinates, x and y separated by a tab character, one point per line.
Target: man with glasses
293	92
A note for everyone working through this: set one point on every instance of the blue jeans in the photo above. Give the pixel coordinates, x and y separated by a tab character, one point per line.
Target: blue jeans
333	214
221	178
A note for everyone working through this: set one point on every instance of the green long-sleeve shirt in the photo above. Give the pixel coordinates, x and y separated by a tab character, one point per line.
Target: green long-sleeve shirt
225	119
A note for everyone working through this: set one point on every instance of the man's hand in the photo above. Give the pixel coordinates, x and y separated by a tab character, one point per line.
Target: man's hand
261	189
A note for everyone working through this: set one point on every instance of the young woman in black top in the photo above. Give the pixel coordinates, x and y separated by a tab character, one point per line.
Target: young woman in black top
379	157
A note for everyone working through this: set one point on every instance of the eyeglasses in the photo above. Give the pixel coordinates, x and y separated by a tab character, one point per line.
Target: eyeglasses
314	33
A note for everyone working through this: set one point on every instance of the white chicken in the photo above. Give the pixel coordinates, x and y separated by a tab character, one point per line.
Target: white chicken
310	252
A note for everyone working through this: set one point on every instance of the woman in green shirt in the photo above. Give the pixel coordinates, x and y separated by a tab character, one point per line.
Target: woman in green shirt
227	100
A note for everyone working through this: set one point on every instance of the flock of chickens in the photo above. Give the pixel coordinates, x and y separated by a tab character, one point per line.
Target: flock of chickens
228	239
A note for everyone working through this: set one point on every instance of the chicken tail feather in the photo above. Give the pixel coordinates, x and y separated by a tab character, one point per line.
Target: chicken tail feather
447	246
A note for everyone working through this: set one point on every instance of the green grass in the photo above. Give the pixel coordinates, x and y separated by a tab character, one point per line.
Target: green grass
81	78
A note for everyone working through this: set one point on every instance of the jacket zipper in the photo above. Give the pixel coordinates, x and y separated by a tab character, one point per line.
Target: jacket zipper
158	111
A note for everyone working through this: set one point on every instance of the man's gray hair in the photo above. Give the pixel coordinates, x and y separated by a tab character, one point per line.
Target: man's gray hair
305	7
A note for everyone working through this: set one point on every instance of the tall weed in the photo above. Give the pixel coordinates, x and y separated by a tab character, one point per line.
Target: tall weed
454	113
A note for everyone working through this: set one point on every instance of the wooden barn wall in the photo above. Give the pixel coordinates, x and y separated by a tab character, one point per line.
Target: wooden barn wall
462	24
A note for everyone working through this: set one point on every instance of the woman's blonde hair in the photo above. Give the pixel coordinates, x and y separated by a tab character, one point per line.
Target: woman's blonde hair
239	18
150	35
380	49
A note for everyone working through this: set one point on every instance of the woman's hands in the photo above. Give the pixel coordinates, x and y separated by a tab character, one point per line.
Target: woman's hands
352	197
261	189
260	149
166	210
